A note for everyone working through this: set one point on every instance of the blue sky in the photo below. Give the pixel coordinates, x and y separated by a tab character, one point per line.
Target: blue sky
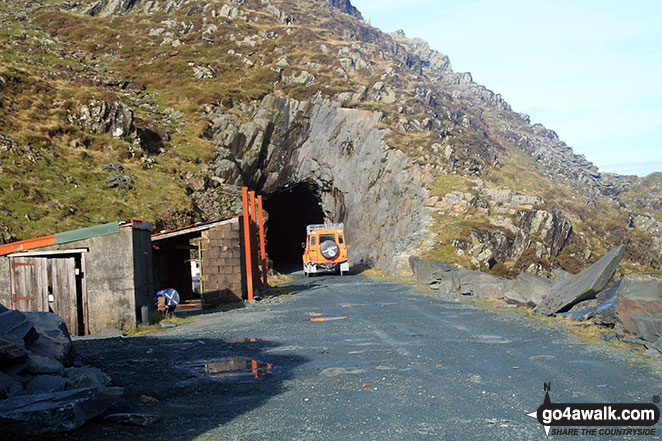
589	70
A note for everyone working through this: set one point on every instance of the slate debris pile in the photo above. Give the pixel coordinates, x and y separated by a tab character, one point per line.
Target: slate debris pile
632	305
42	388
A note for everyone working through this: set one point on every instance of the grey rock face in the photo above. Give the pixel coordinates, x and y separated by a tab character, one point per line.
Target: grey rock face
582	286
376	191
527	290
114	119
106	8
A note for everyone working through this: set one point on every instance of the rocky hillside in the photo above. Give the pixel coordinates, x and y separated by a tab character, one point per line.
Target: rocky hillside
162	108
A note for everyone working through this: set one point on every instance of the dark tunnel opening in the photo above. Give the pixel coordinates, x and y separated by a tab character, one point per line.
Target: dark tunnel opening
290	211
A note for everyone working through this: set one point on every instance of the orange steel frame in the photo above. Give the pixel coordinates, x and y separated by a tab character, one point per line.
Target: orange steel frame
247	243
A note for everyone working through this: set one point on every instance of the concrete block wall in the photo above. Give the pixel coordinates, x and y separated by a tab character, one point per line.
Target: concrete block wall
223	265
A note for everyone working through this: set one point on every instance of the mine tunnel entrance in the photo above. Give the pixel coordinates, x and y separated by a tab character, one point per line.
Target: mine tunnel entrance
290	211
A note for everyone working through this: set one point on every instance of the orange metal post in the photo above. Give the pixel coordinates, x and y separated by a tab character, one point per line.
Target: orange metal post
247	244
263	251
254	231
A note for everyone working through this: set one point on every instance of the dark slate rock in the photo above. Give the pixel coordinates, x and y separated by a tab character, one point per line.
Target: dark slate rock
131	419
78	377
13	322
583	286
605	312
42	384
54	412
41	364
54	339
648	328
12	350
9	386
527	290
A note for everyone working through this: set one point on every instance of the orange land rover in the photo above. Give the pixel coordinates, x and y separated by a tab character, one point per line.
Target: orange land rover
325	249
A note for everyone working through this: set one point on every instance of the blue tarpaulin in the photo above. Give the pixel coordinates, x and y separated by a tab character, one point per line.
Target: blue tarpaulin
171	296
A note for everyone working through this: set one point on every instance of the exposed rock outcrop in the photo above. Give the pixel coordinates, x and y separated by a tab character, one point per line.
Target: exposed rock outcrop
373	189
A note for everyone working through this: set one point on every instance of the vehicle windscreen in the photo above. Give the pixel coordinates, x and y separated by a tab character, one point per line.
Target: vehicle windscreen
325	237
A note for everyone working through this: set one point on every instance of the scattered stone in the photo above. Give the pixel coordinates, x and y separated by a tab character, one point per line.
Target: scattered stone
583	286
131	419
124	182
146	399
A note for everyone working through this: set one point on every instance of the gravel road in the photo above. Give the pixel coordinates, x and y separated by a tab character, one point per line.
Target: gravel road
359	358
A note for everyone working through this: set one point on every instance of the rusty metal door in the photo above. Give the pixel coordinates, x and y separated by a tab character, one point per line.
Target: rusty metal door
46	284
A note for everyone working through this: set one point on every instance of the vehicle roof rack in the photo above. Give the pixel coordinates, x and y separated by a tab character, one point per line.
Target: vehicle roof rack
310	228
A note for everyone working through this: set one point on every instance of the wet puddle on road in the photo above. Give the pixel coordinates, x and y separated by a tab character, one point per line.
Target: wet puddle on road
230	368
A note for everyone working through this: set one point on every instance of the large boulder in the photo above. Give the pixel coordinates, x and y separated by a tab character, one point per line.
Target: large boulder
480	285
54	412
448	279
429	271
637	295
527	290
54	340
585	285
